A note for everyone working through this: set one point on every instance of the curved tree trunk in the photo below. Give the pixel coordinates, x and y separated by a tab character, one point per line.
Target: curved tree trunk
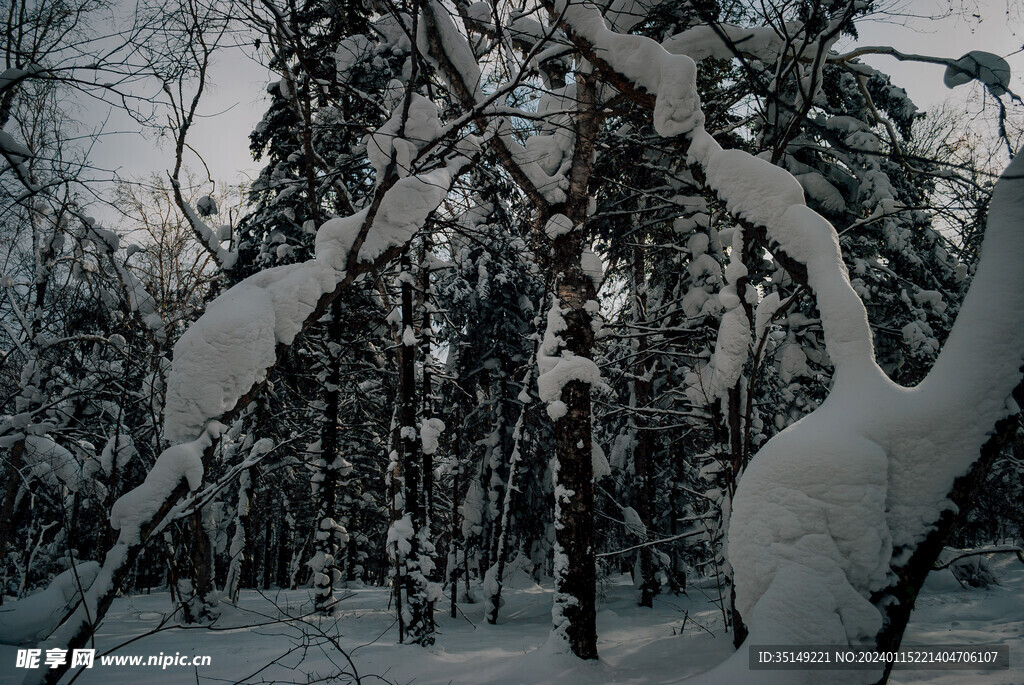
897	601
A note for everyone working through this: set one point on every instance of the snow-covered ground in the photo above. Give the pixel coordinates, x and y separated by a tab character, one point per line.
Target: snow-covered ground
257	643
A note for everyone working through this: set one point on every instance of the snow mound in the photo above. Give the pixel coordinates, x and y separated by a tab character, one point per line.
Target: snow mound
33	618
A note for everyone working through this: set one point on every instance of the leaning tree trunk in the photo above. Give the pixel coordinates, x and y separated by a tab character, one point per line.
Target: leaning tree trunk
492	581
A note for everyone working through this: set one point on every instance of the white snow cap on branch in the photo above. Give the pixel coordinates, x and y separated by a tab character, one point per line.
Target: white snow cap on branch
402	212
430	431
34	617
592	266
764	43
992	70
233	344
769	196
419	127
176	463
51	462
405	206
558	224
211	238
206	206
455	46
671	78
559	367
731	351
351	50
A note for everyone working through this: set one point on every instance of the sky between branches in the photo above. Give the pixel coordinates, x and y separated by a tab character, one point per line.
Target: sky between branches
237	98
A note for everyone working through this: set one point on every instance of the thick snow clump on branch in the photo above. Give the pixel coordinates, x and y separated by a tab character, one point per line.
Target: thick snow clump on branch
672	79
558	367
31	619
233	344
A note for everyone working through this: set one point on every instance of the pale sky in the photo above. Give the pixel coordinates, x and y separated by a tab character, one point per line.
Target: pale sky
996	26
237	99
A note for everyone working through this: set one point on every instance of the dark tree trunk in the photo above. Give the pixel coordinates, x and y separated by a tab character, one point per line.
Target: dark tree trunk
283	553
456	536
493	593
200	568
642	453
574	527
420	628
330	466
268	551
426	504
575	575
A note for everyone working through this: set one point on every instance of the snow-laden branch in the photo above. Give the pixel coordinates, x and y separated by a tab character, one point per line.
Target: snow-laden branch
672	79
769	196
452	53
725	41
231	348
768	44
209	237
991	70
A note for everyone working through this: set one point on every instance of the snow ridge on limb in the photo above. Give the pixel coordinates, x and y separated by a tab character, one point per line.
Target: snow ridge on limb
672	79
969	388
231	348
768	196
234	343
453	54
703	42
991	316
208	237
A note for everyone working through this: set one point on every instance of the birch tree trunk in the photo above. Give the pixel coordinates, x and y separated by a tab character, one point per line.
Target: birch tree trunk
575	573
